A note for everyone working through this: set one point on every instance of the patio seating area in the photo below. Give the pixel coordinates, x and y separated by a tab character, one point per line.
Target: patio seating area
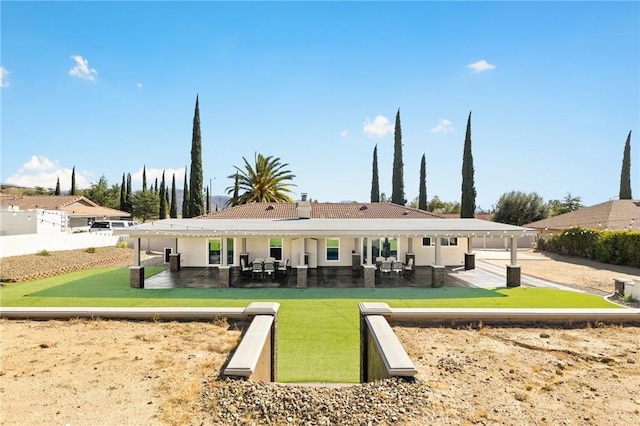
282	277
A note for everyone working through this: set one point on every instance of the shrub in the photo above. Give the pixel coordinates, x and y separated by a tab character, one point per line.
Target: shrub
43	253
614	247
90	250
122	244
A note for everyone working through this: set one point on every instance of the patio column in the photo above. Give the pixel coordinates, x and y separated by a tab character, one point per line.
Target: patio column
136	272
513	270
469	256
223	251
301	269
369	251
437	270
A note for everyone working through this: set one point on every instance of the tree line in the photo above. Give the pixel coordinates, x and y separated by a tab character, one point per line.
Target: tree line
267	179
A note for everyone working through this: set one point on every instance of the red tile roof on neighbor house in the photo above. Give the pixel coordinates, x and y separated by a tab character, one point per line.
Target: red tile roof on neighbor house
75	206
612	215
321	211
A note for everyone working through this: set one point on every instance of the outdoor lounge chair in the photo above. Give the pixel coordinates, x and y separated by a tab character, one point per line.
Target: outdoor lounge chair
244	268
408	268
256	269
397	268
283	269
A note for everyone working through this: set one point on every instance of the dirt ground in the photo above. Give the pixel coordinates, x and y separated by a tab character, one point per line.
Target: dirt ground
571	271
96	372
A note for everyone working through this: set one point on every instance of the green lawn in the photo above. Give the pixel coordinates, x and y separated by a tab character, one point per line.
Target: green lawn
318	327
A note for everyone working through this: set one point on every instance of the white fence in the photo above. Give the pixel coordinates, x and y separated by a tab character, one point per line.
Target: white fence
16	245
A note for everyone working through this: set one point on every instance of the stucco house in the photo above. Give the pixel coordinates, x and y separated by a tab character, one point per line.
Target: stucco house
320	235
51	213
614	215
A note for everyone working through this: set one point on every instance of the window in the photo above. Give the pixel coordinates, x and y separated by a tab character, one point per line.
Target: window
375	249
229	251
333	249
426	241
389	247
275	248
215	247
446	241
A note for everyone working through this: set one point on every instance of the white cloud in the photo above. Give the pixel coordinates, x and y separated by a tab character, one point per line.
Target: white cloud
38	163
139	85
481	65
82	70
444	126
42	172
344	134
3	73
380	126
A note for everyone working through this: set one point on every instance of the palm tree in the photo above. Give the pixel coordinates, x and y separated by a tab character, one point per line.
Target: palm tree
266	181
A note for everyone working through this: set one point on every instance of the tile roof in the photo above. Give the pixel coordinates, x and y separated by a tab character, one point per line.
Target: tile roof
321	211
613	215
75	206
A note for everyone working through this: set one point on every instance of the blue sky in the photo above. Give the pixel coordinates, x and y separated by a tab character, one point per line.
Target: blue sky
107	87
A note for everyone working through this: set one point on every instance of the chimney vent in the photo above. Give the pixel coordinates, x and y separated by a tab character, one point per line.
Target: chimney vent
304	196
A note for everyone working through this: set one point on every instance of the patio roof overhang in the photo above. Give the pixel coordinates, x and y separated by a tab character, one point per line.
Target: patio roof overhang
465	228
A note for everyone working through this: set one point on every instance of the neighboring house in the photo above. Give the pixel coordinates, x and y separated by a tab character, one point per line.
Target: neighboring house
315	235
491	242
50	213
618	215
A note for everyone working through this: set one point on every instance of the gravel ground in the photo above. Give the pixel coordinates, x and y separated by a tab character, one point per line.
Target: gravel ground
35	266
111	372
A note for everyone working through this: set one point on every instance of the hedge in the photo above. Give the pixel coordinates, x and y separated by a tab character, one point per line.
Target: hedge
614	247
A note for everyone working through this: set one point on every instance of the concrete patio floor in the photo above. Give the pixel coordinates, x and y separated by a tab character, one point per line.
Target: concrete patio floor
337	277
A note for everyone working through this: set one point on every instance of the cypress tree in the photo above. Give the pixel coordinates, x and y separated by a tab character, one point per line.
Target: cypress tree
129	205
185	197
73	181
625	174
196	203
173	210
57	187
155	187
123	195
375	181
468	201
397	193
144	178
422	192
162	211
166	198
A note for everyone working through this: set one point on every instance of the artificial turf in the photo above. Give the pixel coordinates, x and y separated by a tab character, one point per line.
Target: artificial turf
318	328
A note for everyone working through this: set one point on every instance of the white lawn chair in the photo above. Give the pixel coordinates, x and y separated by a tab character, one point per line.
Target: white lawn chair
269	269
257	269
385	268
397	268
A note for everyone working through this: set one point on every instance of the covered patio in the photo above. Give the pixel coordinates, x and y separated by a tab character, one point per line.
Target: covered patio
341	277
323	244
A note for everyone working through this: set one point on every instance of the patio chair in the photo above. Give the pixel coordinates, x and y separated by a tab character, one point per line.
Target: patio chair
408	268
269	269
244	268
283	269
257	269
397	268
385	268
